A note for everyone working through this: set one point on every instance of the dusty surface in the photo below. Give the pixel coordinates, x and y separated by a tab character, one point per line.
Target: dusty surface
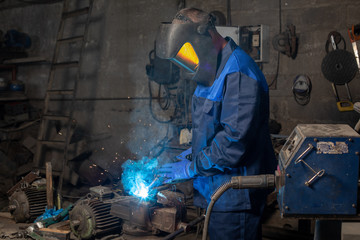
8	228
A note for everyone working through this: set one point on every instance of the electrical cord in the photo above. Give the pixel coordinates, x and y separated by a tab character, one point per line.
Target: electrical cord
274	80
151	109
239	182
217	194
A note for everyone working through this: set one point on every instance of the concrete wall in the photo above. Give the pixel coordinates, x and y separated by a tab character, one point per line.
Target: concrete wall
112	109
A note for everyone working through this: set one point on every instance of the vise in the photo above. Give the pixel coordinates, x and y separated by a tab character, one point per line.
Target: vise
149	218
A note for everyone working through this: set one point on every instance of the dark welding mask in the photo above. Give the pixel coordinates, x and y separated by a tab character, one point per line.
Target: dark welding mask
189	45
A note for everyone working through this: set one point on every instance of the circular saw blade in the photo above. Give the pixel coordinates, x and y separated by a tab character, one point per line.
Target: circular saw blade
339	66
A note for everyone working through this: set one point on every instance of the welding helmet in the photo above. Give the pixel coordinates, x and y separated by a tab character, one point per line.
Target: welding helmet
189	45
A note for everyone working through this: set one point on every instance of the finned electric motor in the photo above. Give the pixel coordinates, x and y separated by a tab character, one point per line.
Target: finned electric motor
27	204
91	217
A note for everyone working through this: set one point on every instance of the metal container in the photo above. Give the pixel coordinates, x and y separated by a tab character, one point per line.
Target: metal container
320	165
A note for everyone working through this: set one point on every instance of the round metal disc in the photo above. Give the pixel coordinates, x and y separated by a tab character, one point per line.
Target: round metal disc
339	67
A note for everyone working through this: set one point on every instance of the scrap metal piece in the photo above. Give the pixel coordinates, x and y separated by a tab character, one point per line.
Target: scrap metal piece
26	181
102	192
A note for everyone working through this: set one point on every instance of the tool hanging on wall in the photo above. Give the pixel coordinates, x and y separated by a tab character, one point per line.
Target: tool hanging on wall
286	42
354	34
339	67
335	41
301	89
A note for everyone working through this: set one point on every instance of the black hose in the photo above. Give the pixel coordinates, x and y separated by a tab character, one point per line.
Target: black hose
239	182
217	194
151	111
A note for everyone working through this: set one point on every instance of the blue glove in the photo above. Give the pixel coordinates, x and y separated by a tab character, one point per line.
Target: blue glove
176	171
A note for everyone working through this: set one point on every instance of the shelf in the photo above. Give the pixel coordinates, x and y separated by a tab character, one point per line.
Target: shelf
26	60
12	96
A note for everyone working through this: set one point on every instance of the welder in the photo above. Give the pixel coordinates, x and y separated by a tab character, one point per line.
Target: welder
230	115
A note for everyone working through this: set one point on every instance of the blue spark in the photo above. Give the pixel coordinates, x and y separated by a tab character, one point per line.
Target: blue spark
142	191
138	175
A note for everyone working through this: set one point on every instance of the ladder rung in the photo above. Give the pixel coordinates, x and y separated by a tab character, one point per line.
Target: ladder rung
75	13
71	39
61	92
54	172
66	64
52	143
56	117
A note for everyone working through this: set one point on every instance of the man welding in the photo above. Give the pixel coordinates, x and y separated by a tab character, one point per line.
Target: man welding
230	113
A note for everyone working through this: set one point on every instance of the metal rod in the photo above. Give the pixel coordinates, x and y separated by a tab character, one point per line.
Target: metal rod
305	152
348	91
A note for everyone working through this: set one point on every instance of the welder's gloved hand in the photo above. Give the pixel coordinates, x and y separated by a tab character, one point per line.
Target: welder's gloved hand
177	171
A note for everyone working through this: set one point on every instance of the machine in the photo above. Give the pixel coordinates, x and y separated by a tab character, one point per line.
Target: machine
319	171
165	214
317	178
91	216
27	199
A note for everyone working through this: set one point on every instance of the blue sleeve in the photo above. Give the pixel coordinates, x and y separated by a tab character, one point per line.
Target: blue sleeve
240	112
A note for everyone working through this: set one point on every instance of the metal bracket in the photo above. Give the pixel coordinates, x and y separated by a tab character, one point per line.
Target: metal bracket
317	174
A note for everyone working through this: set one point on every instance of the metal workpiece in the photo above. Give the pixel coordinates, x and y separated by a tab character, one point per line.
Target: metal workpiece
132	210
319	171
102	192
166	213
256	181
170	198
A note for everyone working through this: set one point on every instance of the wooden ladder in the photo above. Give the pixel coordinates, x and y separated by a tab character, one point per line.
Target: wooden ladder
57	93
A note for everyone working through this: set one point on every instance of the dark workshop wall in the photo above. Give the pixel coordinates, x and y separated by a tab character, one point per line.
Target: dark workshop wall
314	20
112	108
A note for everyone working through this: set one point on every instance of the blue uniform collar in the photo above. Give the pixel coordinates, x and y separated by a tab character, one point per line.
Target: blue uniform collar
224	55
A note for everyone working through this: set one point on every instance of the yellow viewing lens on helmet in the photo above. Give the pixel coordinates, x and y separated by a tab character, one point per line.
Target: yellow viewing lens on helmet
187	57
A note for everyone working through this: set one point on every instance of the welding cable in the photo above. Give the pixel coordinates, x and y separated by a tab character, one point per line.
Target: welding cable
151	110
239	182
216	195
274	80
167	100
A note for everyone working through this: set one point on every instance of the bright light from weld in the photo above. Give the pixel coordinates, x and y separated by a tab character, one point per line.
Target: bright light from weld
142	191
137	177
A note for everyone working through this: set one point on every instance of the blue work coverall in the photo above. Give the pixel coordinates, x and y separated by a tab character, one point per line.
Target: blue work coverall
231	138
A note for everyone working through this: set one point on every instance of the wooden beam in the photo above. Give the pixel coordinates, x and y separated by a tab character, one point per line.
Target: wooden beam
49	186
